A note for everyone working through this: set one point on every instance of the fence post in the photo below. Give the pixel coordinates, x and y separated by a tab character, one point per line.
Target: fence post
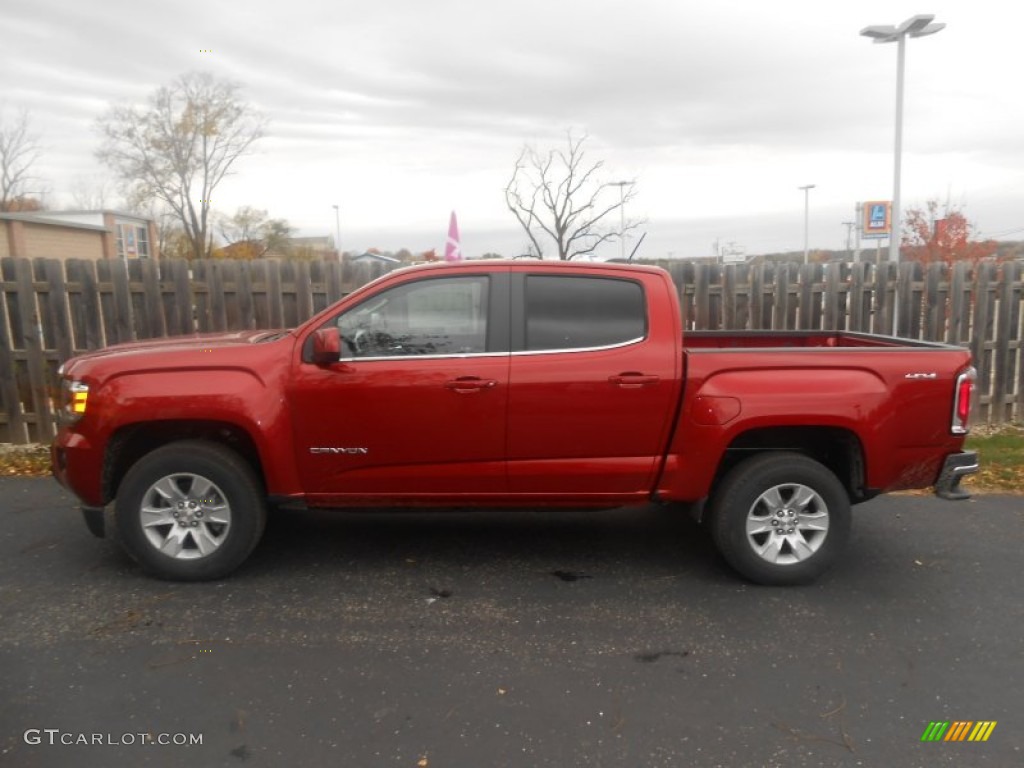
959	305
1007	325
10	398
832	297
303	293
31	331
935	302
702	297
806	307
274	302
981	349
58	315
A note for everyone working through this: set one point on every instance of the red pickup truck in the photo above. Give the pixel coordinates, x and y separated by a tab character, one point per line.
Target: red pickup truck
515	383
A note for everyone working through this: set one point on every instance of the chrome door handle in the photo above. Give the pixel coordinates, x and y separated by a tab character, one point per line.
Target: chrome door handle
468	384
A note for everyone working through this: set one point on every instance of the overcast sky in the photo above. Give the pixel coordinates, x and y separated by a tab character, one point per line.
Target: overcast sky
400	111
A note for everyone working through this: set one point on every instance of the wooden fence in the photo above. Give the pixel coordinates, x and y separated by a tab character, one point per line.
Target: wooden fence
51	310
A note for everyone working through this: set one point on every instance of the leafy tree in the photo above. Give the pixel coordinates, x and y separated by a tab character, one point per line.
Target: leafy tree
179	147
249	234
173	242
559	196
928	236
19	150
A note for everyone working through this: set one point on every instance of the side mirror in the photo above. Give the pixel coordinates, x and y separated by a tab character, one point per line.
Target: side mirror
326	346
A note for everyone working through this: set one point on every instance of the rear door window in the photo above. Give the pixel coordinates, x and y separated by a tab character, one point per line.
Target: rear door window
564	312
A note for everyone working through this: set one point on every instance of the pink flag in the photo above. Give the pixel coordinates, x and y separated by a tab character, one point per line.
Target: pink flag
452	249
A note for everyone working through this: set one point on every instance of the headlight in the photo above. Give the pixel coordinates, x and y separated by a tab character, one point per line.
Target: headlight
74	398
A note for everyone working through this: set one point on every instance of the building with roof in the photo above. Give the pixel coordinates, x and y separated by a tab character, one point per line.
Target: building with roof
369	257
78	235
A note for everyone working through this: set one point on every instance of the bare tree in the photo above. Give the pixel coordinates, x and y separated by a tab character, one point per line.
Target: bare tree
90	194
19	150
180	147
560	196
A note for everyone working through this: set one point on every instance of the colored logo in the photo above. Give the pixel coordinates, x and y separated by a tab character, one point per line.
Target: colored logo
958	730
876	219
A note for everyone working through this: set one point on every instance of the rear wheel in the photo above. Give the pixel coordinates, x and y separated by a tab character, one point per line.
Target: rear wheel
190	511
780	518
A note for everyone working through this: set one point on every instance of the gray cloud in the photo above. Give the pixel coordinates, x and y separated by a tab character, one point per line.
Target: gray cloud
435	94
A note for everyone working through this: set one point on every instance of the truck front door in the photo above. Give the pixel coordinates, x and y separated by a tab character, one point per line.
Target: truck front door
415	406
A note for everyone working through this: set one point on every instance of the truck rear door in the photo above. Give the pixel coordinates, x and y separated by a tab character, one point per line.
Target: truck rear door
593	384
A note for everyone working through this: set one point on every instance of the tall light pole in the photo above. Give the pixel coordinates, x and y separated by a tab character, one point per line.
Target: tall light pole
915	26
337	230
622	216
807	215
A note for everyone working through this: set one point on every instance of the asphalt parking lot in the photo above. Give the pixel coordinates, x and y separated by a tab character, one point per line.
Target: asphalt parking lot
455	639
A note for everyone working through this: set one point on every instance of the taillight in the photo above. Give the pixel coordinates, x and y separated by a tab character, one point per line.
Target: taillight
962	401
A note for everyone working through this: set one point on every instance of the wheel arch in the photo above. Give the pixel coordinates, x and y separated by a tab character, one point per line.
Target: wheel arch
837	448
134	441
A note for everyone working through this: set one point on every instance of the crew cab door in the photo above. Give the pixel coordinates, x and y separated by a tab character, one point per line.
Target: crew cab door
594	385
415	405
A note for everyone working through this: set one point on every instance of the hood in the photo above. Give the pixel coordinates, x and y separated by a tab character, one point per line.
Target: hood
207	348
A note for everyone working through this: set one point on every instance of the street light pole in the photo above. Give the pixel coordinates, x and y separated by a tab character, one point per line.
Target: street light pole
896	224
807	215
337	231
915	26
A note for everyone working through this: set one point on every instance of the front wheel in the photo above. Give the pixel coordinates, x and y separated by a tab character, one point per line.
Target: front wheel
780	518
190	511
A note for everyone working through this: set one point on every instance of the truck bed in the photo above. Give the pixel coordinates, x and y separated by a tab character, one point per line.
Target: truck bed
698	340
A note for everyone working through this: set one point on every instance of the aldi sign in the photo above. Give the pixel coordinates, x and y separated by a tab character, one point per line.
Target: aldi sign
876	219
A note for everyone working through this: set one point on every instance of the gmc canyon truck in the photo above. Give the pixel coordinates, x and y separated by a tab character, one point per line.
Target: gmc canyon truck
508	383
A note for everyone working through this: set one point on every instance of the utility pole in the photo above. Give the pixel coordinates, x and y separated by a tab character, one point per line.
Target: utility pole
858	214
337	231
849	230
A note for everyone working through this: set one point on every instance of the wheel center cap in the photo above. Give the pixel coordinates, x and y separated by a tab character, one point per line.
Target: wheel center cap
187	510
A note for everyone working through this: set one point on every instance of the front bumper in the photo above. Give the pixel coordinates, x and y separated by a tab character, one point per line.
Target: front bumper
954	469
77	464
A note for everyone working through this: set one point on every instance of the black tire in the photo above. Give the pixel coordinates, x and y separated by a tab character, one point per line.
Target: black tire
787	492
206	486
